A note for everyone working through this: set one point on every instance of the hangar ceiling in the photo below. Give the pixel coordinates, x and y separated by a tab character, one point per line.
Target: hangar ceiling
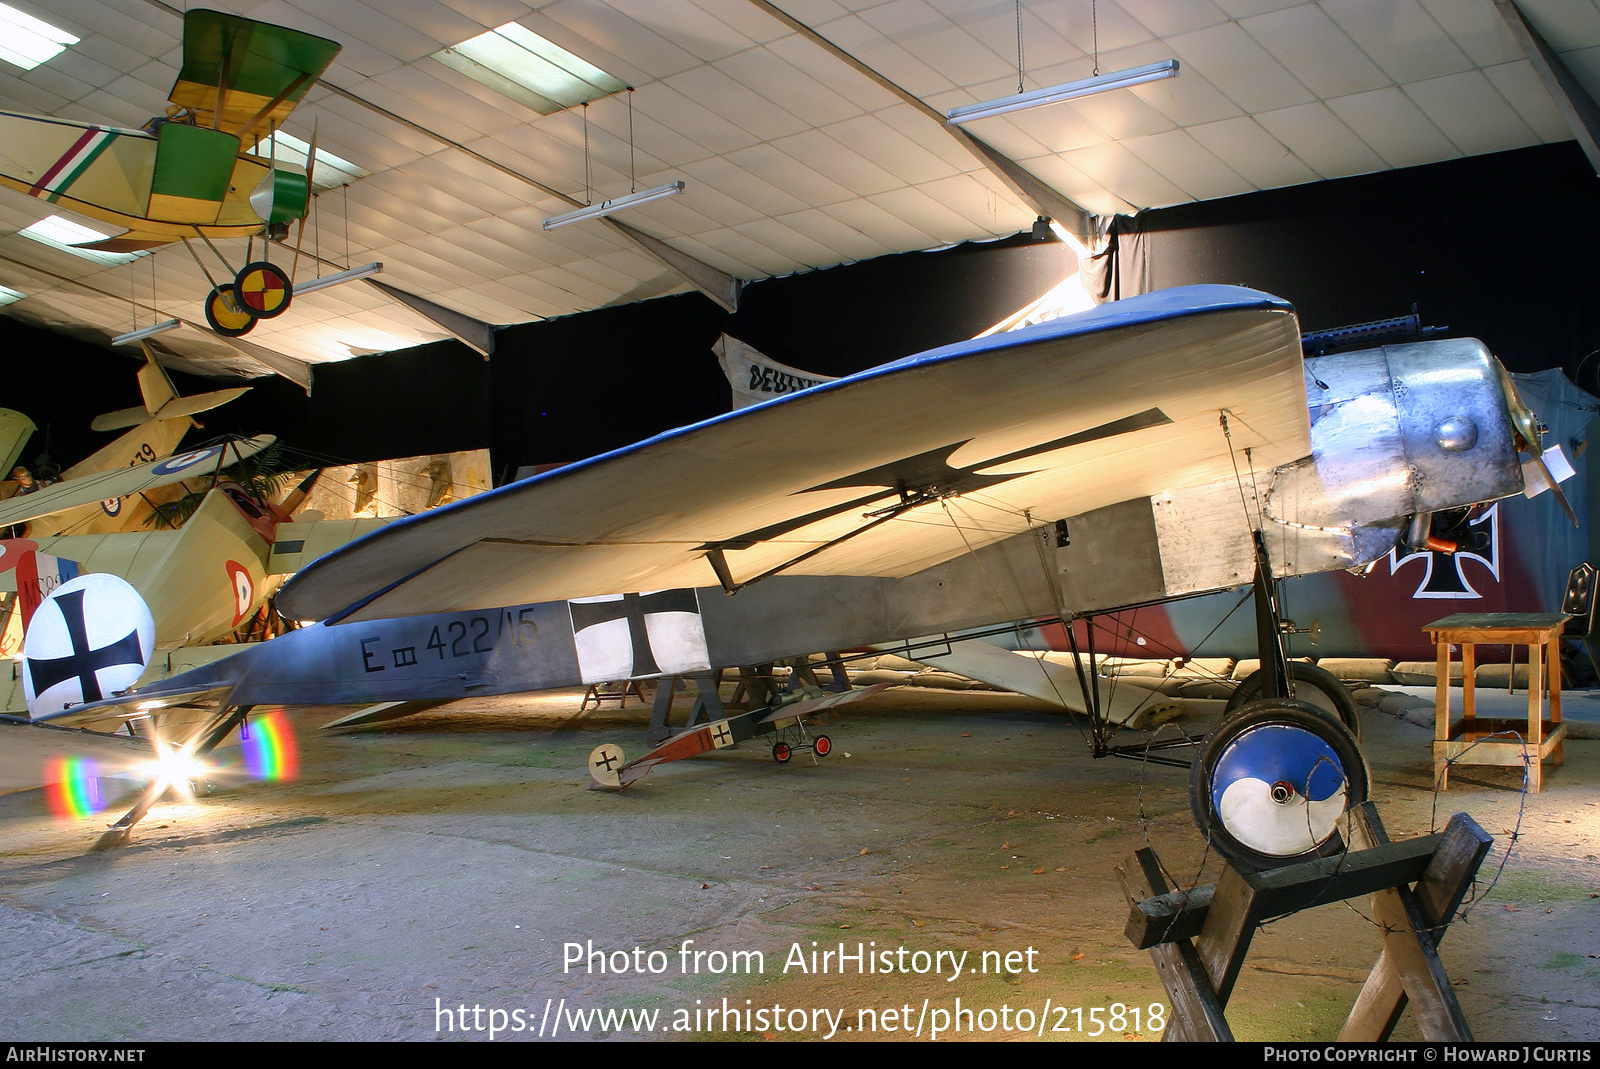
794	155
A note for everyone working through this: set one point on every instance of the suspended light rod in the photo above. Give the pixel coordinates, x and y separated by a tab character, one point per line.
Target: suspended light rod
146	332
333	280
1038	98
606	207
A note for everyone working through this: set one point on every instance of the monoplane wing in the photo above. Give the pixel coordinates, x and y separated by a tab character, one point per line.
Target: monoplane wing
885	472
120	482
244	77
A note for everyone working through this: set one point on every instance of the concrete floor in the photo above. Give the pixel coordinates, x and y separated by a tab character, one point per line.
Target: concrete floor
446	861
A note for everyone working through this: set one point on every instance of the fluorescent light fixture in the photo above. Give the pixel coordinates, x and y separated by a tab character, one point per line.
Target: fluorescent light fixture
333	280
518	63
1037	98
61	233
9	295
27	42
330	171
146	332
606	207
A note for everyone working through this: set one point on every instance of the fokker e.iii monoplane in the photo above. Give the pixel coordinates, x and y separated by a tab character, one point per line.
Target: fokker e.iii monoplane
1144	450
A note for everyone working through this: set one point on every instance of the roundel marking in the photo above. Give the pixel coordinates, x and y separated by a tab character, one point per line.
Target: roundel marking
184	461
244	590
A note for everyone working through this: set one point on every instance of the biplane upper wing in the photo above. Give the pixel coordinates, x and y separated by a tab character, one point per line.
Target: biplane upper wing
885	472
120	482
244	77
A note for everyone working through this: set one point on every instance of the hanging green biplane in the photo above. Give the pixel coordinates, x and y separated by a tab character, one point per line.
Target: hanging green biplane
192	172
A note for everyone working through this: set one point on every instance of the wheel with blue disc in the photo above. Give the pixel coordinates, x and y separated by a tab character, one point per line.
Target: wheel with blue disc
1272	782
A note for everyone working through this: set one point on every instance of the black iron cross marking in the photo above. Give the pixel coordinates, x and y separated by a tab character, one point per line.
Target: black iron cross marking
83	662
1443	576
930	475
720	735
632	608
607	761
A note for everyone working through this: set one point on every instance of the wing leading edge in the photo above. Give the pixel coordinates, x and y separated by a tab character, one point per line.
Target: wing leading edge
884	472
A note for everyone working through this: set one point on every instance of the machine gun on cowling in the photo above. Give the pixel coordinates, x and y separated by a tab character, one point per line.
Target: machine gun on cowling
1368	335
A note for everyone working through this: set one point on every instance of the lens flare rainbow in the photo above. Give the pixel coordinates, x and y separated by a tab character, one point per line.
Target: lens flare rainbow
269	748
72	787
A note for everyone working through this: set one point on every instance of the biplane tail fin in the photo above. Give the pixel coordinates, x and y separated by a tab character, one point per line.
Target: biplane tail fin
15	430
161	399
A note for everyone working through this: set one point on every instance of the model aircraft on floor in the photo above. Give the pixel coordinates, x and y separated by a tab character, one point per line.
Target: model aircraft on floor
1145	450
192	172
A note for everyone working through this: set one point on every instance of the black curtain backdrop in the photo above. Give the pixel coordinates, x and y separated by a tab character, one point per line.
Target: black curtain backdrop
1499	247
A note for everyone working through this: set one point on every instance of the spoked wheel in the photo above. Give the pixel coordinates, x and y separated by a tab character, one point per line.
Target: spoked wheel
1307	683
227	315
781	752
822	746
263	289
1272	782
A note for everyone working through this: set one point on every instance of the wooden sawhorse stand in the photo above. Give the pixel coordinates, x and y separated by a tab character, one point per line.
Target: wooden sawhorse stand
1472	744
1199	937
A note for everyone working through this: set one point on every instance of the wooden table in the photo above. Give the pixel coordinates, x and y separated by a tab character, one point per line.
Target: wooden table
1468	741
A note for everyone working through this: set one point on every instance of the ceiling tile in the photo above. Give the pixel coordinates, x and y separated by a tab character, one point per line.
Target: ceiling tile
356	57
1231	60
1522	89
828	70
1252	153
1477	29
355	21
888	146
1122	115
1182	161
687	25
1564	24
715	92
889	59
1123	173
728	178
1166	19
1316	51
610	40
774	79
925	213
849	169
1387	120
1400	37
1471	113
1321	139
438	22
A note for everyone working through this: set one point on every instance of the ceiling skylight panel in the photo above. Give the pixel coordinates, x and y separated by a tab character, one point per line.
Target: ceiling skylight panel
62	233
27	42
520	64
330	171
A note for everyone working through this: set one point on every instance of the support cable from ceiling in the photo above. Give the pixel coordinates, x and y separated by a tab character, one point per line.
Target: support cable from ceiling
718	285
1034	193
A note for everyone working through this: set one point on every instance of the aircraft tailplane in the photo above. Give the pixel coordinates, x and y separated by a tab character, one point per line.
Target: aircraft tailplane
154	385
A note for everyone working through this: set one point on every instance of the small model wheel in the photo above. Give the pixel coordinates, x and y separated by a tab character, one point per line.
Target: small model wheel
263	289
822	746
226	314
1307	683
781	752
1272	782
